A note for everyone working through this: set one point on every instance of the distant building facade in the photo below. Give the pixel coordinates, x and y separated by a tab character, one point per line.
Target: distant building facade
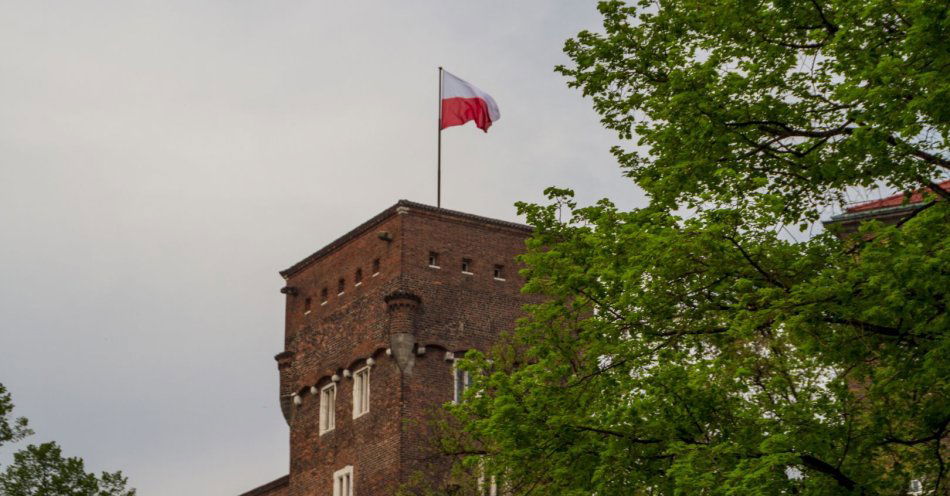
374	323
890	210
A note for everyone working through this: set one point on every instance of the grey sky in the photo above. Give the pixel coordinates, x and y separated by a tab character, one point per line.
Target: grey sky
160	161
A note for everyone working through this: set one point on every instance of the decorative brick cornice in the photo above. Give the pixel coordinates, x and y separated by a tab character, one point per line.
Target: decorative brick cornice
398	299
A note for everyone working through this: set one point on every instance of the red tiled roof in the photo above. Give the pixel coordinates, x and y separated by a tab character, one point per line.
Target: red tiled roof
893	201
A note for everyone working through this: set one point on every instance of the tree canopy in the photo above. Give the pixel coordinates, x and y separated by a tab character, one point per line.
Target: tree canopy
42	470
791	100
705	353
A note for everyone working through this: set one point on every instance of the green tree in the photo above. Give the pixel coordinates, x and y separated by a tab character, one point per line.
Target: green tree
42	470
11	429
706	354
784	103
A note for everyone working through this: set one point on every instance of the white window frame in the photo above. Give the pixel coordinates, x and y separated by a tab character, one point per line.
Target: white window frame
916	487
327	408
487	486
434	260
361	391
343	482
466	382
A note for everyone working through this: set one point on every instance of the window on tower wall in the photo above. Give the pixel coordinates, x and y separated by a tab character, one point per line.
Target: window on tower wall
433	260
343	481
327	408
360	391
467	266
487	484
462	382
358	277
375	266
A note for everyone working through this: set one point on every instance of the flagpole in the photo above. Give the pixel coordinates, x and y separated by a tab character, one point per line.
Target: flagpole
438	188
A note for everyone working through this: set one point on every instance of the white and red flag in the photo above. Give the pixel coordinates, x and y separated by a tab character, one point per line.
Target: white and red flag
462	102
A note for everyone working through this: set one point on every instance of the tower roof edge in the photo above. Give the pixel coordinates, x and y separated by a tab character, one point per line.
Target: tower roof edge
401	206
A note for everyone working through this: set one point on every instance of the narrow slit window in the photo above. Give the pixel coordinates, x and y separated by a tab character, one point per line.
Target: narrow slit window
340	286
307	304
466	266
462	382
323	296
499	272
327	408
433	260
361	392
358	277
375	266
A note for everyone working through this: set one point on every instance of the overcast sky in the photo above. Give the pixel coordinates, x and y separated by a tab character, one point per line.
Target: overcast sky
161	161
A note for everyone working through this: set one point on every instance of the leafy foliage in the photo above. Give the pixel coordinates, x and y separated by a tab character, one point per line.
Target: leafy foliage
11	429
709	355
41	470
794	99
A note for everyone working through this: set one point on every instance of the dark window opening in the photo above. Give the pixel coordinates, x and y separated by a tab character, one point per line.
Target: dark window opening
499	272
358	278
375	266
466	266
433	259
306	304
340	286
323	295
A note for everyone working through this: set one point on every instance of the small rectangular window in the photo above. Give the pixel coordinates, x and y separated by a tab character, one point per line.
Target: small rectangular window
360	392
499	272
323	296
358	277
466	266
375	267
327	408
343	481
306	305
340	286
462	382
433	260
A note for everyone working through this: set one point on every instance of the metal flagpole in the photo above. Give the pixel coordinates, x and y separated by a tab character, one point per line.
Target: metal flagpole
438	188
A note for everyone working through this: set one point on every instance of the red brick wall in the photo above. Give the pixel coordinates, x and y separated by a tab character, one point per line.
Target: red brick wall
455	312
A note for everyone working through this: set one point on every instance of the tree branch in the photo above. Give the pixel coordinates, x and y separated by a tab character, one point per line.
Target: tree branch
755	265
608	432
936	436
827	469
829	26
874	328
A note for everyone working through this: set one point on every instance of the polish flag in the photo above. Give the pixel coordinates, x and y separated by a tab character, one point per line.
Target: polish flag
462	102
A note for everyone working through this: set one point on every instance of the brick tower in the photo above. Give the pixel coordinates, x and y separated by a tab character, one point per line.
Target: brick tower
373	323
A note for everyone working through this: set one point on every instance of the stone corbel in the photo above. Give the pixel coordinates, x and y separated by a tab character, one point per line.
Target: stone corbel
402	307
